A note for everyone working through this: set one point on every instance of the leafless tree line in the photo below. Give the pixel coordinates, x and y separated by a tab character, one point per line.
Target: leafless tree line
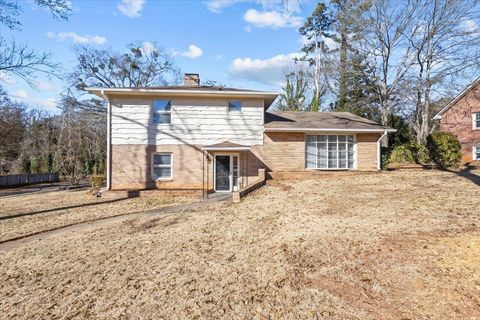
389	59
34	141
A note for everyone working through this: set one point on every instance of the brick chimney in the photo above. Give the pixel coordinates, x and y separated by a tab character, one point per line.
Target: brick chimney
191	79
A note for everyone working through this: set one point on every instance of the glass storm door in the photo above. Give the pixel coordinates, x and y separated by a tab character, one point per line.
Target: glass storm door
222	173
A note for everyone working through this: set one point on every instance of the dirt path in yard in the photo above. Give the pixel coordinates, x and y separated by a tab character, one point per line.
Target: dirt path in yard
45	234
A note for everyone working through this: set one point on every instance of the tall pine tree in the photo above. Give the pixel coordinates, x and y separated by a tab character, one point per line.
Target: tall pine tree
316	29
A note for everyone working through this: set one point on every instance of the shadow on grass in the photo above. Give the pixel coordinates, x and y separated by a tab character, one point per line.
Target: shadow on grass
130	195
468	174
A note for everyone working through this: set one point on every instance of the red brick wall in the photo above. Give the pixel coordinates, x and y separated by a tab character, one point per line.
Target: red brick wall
458	120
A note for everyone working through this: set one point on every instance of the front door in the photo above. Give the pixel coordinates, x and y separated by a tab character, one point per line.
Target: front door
222	173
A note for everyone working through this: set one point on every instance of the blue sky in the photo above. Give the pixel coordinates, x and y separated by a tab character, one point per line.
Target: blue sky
239	43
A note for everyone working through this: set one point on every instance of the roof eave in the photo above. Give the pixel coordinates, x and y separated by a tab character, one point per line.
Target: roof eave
328	130
225	148
97	91
268	97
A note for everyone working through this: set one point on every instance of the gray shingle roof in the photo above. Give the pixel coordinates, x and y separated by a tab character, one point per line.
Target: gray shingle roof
292	120
197	88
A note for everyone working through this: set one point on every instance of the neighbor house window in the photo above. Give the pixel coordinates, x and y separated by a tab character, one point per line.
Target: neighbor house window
235	106
476	120
330	152
476	153
162	166
162	111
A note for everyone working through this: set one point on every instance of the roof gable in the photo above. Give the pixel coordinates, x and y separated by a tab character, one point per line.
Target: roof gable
459	97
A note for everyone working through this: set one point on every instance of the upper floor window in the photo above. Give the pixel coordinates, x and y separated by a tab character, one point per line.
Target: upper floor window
476	120
162	111
234	106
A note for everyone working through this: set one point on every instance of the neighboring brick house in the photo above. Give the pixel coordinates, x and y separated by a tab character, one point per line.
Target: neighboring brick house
208	138
462	118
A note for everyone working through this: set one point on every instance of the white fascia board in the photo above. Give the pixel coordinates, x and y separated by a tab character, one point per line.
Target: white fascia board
326	130
96	91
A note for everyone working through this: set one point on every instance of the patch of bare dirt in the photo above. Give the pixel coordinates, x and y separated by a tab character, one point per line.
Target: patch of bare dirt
397	245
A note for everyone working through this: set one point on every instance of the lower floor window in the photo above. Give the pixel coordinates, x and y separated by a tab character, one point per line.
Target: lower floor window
162	166
330	152
476	153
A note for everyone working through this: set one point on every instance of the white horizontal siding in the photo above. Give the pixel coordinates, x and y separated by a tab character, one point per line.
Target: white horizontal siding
200	122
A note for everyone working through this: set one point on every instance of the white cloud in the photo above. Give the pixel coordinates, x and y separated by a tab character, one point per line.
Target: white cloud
218	5
193	52
267	71
44	86
272	19
131	8
6	79
148	47
23	96
76	38
20	94
329	42
470	26
289	6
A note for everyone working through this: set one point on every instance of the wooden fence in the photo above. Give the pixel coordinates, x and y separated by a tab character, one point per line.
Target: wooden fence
13	180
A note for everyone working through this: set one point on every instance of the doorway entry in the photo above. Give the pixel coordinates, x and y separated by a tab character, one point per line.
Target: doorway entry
226	170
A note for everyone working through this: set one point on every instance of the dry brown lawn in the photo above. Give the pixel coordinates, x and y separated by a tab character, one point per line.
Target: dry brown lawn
397	245
27	214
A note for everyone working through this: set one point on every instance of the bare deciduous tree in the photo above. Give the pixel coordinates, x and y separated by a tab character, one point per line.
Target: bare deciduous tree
24	62
19	59
140	66
387	50
445	46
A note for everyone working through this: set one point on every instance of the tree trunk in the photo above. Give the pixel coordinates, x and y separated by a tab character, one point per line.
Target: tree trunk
316	98
342	93
425	126
384	113
418	108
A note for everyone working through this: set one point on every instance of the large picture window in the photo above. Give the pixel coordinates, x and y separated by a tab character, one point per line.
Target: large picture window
162	166
330	152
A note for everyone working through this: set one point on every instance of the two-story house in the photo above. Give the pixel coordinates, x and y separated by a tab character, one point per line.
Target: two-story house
462	118
207	138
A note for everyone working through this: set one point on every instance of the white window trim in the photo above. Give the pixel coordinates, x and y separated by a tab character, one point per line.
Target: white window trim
474	152
333	169
162	166
241	106
162	112
474	120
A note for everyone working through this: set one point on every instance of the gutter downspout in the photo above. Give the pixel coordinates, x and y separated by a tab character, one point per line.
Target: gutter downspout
379	156
109	141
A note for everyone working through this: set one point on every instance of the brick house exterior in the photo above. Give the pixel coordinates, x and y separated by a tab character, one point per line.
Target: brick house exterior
462	118
212	139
